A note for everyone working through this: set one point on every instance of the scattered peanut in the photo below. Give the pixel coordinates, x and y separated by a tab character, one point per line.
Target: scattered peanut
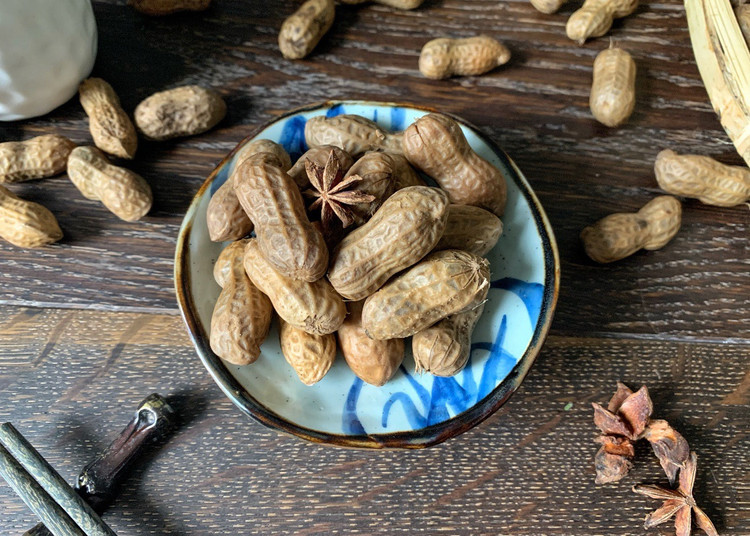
376	170
182	111
442	284
403	174
319	157
444	348
110	126
274	204
374	362
436	145
471	229
313	307
703	178
595	18
548	6
167	7
401	4
443	58
404	230
242	314
123	192
301	32
35	158
352	133
620	235
26	224
225	218
613	90
311	356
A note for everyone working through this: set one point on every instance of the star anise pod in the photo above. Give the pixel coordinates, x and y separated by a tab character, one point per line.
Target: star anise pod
332	194
678	503
669	446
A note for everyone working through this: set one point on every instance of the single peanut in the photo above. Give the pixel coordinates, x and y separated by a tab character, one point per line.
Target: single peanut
443	58
182	111
311	306
111	128
225	217
471	229
548	6
619	235
401	232
311	356
352	133
743	18
167	7
442	284
400	4
436	145
123	192
374	362
319	157
274	204
613	89
303	30
26	224
242	314
703	178
35	158
595	18
403	174
376	170
444	348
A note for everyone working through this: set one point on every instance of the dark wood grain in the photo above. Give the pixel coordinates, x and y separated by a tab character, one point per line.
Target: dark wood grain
536	107
528	470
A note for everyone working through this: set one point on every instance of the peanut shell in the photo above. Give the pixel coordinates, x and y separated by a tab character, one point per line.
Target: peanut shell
352	133
178	112
35	158
110	126
26	224
311	356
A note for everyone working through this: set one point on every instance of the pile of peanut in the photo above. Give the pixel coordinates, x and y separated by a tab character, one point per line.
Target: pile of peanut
410	265
182	111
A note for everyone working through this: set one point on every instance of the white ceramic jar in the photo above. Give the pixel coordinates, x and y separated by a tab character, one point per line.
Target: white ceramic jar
46	48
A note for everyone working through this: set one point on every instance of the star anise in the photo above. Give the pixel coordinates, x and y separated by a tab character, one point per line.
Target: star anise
678	503
333	194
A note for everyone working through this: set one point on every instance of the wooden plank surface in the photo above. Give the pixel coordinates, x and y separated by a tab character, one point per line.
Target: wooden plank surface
76	377
536	108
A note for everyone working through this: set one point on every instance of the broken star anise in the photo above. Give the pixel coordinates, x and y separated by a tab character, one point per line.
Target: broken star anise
678	503
333	194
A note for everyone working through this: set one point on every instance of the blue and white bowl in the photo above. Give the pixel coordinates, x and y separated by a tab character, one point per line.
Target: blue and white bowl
412	410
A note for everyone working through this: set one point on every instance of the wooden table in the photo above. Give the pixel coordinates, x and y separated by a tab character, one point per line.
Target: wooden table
90	326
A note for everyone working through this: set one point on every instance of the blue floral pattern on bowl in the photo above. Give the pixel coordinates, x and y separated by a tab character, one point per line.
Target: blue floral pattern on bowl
412	409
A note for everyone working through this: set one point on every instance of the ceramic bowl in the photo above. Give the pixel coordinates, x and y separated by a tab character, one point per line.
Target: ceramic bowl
412	410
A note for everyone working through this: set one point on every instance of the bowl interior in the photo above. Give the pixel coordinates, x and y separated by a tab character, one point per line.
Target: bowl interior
411	409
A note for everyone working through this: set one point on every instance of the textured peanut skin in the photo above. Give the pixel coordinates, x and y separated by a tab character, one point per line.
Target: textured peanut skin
124	193
401	232
352	133
303	30
403	174
225	217
374	362
442	284
612	97
703	178
318	155
35	158
436	145
26	224
595	18
311	356
110	126
182	111
167	7
377	171
313	307
471	229
400	4
242	314
444	348
548	6
274	204
443	58
619	235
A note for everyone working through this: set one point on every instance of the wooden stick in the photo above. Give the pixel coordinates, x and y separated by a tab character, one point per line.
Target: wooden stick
38	500
51	481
